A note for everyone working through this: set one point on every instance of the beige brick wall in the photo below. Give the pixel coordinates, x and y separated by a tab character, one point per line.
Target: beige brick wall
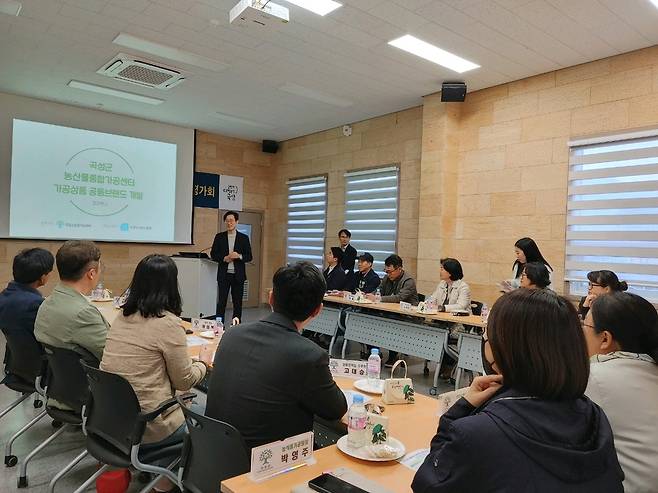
214	154
513	157
385	140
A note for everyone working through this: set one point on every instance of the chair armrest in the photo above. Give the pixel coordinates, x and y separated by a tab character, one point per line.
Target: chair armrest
144	418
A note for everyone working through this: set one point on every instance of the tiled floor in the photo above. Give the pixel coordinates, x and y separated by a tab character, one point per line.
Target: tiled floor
51	460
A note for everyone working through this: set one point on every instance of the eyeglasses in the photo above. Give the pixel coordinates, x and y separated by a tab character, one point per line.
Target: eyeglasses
590	285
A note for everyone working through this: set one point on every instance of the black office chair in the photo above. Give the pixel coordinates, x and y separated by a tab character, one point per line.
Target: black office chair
114	424
214	451
24	363
476	307
65	383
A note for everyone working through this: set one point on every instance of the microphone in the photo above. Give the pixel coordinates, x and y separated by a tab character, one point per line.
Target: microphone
206	249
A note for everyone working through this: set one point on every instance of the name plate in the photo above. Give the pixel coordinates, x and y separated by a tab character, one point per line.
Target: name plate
348	368
201	324
278	457
407	307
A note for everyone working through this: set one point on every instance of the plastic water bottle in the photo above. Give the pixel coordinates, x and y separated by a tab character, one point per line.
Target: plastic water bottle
99	292
378	296
356	423
484	314
219	326
374	368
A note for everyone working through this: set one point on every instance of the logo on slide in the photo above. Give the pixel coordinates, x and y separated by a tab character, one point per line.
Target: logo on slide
100	181
124	227
60	224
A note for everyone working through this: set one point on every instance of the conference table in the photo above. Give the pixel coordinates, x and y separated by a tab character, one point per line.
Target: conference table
413	424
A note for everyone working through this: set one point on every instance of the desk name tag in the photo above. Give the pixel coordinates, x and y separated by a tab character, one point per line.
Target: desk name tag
407	307
348	368
277	457
201	324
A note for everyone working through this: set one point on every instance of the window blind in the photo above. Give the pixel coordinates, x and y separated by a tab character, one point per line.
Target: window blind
612	217
307	210
371	212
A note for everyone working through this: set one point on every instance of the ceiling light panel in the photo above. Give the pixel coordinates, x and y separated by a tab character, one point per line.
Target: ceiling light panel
423	49
320	7
107	91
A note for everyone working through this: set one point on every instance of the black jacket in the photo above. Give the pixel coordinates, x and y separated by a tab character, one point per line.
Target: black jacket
515	444
220	250
335	279
268	381
19	304
368	283
349	257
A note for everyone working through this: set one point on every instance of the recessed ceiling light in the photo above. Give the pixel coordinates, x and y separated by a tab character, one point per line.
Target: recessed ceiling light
10	7
240	120
320	7
433	53
76	84
655	3
164	51
323	97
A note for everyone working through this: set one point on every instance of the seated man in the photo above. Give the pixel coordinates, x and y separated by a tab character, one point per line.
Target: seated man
397	285
268	381
366	280
20	301
66	319
334	275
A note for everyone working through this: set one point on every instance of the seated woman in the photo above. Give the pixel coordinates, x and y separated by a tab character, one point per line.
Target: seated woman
147	346
452	293
526	425
535	276
621	330
600	282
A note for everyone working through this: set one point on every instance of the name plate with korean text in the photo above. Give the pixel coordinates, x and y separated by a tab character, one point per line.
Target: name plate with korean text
348	368
201	324
278	457
407	307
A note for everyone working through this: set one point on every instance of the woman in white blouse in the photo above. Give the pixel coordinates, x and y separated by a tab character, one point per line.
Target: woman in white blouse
621	330
452	293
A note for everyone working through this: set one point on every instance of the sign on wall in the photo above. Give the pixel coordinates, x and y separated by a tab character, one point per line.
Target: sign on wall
206	190
231	191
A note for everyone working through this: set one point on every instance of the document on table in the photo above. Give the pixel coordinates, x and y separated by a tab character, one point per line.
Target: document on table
413	460
197	341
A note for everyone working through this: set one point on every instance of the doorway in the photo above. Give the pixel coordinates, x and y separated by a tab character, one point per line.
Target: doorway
251	224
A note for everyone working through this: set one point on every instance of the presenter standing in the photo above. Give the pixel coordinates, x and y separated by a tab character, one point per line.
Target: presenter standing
231	249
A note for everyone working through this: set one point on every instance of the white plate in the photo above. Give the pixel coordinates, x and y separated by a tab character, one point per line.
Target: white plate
208	334
362	453
364	386
101	300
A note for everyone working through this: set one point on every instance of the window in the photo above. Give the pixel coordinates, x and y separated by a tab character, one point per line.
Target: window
612	218
307	210
371	212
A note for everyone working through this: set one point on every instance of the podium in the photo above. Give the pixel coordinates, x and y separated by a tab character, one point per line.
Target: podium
197	281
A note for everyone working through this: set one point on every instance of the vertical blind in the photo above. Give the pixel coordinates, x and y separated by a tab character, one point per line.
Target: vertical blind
307	210
371	212
612	220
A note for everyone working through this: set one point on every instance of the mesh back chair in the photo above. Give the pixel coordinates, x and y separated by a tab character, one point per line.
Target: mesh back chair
65	383
114	432
24	363
214	451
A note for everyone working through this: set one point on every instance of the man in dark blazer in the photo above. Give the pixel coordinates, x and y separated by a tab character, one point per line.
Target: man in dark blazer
334	275
366	280
349	252
20	301
268	381
231	249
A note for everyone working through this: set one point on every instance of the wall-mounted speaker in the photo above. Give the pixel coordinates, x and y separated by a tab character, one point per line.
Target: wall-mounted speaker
270	146
453	92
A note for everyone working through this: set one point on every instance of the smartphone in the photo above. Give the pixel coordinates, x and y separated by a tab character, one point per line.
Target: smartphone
328	483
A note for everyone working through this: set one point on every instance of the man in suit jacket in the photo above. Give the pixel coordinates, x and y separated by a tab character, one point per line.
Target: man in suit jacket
20	301
349	252
268	381
231	249
334	275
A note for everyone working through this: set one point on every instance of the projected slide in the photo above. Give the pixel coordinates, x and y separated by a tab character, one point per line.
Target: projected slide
68	183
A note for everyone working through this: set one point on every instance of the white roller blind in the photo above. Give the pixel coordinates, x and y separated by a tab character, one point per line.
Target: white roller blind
371	212
612	219
307	210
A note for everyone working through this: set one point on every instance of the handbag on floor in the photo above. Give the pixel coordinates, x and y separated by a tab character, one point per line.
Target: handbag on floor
398	390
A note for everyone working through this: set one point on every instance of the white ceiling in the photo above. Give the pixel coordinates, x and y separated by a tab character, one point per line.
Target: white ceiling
344	55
